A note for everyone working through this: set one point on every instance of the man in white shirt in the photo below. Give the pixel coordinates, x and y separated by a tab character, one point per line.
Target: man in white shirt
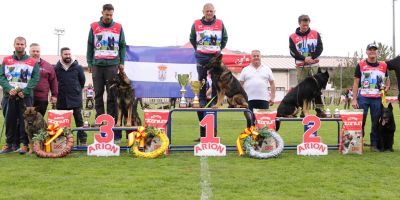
255	79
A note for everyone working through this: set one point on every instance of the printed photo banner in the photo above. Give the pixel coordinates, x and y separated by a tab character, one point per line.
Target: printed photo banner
156	118
351	140
265	118
61	117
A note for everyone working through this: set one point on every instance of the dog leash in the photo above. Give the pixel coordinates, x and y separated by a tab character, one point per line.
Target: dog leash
208	104
384	103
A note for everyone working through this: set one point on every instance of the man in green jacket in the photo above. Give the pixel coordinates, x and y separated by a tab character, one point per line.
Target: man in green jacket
208	37
19	75
105	56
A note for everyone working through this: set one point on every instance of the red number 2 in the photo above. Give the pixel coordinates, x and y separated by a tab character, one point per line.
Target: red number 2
208	122
317	124
107	128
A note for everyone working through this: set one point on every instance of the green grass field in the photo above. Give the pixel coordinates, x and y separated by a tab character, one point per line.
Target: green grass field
183	176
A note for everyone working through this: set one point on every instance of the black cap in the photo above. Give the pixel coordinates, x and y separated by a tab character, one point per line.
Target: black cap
372	45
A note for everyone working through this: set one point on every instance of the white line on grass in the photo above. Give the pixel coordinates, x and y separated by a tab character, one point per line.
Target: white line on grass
205	179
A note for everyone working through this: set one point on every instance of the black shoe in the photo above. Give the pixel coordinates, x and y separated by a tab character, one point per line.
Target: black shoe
374	149
196	140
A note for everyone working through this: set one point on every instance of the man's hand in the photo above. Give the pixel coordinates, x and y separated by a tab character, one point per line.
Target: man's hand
354	103
21	94
121	67
53	100
308	60
271	101
12	92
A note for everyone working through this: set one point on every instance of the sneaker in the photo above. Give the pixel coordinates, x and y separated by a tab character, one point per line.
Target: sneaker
23	150
6	149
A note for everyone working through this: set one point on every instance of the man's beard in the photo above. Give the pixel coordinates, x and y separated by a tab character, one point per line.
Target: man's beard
20	51
67	60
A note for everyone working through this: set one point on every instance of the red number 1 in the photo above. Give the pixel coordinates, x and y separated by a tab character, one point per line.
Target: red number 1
317	124
208	122
107	128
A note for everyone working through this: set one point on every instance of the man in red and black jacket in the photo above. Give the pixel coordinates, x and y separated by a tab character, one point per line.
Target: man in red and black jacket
305	47
47	82
305	44
208	37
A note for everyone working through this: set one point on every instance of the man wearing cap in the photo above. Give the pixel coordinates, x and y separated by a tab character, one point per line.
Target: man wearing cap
370	78
305	47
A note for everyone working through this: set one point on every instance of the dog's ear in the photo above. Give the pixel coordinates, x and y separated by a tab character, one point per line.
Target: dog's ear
37	108
390	106
219	57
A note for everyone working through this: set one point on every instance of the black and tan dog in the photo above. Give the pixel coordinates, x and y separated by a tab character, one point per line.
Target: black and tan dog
385	127
33	123
122	88
301	96
226	84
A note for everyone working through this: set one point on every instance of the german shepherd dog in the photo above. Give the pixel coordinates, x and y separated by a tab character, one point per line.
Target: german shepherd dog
33	123
226	84
301	96
121	86
385	127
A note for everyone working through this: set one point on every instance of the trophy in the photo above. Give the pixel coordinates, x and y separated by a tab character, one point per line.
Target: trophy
86	116
196	87
183	80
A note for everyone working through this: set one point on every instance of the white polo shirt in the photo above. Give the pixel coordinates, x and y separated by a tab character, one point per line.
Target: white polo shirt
256	82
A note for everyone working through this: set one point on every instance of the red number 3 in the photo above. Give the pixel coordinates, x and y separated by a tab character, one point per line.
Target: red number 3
107	128
317	124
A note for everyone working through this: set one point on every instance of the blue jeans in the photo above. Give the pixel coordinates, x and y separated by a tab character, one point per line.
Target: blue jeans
375	108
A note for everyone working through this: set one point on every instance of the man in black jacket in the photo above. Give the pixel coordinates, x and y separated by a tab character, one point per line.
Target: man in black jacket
394	64
71	80
305	47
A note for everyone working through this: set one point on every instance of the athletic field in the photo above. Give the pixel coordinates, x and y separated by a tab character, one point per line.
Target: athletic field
183	176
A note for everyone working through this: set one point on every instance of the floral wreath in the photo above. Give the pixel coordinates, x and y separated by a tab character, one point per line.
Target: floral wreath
246	141
137	139
42	141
